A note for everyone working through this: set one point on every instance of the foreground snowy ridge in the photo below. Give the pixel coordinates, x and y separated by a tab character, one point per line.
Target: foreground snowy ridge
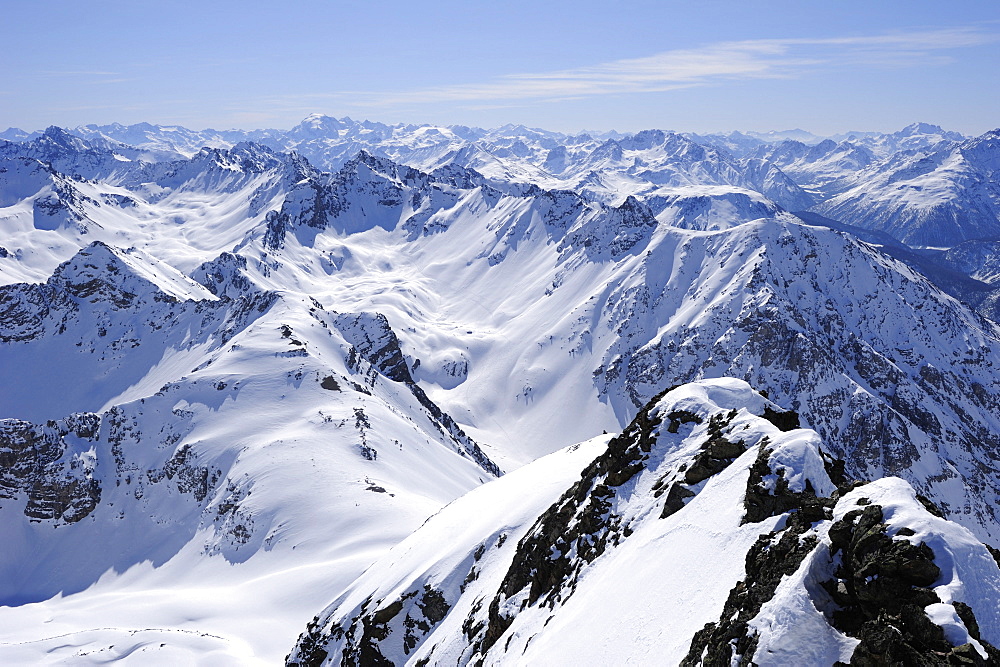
702	534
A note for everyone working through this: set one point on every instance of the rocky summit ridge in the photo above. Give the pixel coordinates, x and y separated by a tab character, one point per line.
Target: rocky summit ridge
714	514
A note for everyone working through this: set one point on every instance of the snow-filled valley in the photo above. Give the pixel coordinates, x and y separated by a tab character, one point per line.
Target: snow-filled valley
351	392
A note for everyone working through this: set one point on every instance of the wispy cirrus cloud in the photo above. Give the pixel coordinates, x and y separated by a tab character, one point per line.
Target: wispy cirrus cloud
89	77
54	73
711	64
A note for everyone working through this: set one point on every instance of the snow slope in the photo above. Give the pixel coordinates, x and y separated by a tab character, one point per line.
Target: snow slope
937	198
520	311
593	309
232	381
199	456
640	555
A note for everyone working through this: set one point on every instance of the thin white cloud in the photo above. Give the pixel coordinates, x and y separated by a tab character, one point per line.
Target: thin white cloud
79	73
682	68
89	77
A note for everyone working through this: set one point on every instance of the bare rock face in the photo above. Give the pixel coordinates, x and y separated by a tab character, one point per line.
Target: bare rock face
878	592
373	340
50	467
411	617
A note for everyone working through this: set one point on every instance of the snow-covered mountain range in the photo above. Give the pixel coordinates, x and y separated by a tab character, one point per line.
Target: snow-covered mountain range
242	367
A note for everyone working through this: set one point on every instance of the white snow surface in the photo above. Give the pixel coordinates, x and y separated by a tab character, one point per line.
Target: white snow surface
303	485
193	289
641	601
677	571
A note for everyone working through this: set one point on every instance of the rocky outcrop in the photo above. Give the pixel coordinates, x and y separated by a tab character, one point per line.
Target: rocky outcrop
575	531
408	619
730	641
373	340
880	593
49	468
882	588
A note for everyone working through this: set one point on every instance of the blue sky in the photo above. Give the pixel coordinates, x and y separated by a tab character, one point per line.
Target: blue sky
697	65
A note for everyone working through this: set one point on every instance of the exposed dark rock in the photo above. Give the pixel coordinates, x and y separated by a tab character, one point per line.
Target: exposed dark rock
277	228
676	496
968	617
930	506
761	502
835	471
363	650
712	461
190	478
433	605
451	429
225	276
422	610
310	649
784	421
36	460
386	614
881	588
374	340
772	557
581	521
678	417
319	203
717	452
67	498
995	553
881	585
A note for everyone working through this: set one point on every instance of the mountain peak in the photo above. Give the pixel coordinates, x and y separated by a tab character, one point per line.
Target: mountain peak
646	139
58	137
101	271
319	125
920	128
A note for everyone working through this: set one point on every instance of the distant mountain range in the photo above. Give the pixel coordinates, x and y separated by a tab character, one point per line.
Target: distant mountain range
380	369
